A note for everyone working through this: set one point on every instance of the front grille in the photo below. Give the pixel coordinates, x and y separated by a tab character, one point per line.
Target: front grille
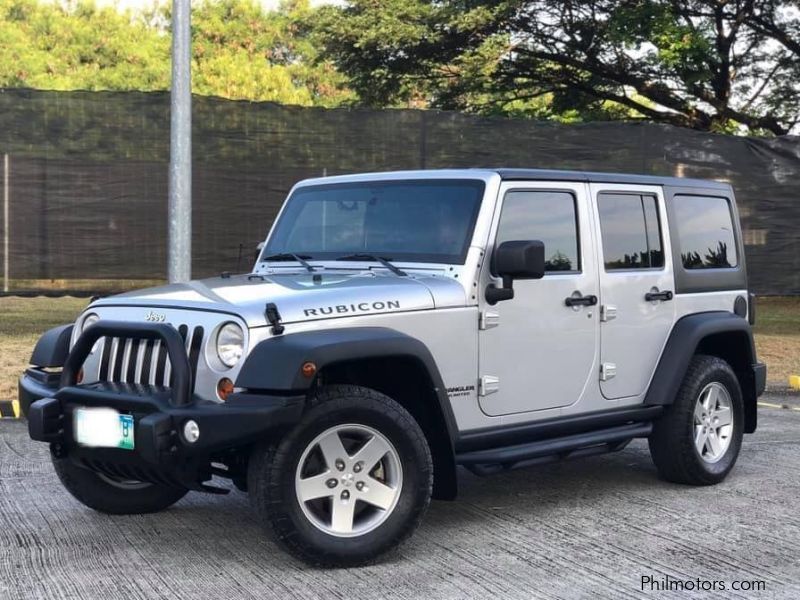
132	360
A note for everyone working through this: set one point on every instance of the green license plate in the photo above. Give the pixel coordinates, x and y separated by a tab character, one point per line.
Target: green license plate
103	428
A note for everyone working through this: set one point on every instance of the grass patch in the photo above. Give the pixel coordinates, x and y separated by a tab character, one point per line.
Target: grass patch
23	320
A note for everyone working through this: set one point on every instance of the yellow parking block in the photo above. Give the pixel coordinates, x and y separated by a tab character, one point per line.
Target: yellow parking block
794	382
9	408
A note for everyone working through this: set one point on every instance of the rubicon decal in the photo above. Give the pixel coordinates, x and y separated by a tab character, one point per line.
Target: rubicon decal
361	307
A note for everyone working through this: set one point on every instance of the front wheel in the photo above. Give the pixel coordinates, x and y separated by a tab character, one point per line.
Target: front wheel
115	496
697	441
349	483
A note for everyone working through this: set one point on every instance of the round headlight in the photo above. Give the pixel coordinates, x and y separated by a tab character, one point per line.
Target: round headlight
89	320
230	344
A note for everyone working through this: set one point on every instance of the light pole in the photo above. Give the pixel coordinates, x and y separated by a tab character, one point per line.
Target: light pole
179	250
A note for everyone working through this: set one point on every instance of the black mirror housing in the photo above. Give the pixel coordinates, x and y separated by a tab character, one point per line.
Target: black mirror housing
520	259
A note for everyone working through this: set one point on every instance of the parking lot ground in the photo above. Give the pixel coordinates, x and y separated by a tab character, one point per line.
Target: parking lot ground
584	529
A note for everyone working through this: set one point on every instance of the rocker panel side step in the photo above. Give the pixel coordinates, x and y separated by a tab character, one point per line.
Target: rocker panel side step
561	447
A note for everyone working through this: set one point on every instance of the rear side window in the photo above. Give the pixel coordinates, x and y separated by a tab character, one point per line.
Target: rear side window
705	232
631	231
548	216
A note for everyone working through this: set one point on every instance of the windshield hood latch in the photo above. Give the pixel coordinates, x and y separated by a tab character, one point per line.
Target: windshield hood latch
274	318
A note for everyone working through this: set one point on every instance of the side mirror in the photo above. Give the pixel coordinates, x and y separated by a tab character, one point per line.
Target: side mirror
512	260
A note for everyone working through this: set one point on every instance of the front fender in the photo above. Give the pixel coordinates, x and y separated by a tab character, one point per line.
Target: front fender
52	348
275	364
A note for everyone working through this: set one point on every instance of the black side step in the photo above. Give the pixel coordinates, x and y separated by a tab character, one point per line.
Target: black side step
599	441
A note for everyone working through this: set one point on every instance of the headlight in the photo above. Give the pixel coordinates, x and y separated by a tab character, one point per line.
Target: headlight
230	344
90	319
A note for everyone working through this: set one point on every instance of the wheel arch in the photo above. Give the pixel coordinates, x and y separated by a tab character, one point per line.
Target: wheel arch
388	361
719	333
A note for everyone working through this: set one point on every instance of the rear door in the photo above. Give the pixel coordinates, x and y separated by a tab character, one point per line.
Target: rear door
636	285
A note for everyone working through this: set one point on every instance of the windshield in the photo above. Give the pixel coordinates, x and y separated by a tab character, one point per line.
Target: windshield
412	221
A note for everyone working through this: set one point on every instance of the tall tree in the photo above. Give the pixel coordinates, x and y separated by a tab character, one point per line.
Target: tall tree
720	65
240	50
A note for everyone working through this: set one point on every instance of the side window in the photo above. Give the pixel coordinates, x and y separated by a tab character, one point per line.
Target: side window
705	232
549	216
631	231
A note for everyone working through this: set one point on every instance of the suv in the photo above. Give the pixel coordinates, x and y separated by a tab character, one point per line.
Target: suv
398	325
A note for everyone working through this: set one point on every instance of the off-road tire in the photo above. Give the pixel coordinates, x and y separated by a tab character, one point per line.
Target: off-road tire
272	470
672	440
93	491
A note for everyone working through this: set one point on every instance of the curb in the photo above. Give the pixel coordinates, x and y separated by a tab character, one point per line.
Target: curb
9	409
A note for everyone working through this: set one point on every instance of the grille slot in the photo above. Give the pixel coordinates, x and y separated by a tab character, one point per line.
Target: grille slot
133	360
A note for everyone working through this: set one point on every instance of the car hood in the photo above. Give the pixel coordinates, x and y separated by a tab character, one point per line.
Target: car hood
301	296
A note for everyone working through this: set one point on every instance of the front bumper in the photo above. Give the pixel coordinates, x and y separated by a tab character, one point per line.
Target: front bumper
161	454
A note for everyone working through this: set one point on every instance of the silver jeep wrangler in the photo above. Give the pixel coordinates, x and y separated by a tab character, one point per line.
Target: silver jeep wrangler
398	325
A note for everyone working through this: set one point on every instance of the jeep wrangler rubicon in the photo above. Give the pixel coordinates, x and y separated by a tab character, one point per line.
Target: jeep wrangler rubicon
398	325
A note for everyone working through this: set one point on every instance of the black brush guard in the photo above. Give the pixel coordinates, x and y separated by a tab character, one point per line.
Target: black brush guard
161	453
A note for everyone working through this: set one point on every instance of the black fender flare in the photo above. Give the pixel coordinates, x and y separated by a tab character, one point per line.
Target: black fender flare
52	348
687	337
275	364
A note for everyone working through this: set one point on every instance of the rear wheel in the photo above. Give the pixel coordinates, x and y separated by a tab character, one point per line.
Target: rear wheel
698	439
112	495
349	483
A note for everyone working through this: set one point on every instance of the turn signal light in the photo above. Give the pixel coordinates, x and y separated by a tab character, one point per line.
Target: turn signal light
79	378
224	388
308	369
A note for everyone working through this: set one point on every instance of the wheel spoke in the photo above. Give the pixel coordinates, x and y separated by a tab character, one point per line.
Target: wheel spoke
711	400
373	451
699	411
714	444
724	415
314	487
332	449
379	494
700	439
342	517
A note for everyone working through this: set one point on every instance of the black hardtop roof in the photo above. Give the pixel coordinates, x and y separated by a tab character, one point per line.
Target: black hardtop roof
594	177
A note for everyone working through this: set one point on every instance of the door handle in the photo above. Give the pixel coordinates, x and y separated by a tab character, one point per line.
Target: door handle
652	296
589	300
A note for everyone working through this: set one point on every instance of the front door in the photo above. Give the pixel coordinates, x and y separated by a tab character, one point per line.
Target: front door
636	284
536	352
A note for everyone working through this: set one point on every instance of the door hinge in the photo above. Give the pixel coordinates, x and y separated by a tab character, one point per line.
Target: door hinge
608	371
608	312
488	319
488	384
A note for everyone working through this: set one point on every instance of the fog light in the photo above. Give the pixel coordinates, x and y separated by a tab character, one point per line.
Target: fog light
191	431
224	388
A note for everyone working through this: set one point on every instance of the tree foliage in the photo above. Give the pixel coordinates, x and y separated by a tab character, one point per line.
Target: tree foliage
239	50
718	65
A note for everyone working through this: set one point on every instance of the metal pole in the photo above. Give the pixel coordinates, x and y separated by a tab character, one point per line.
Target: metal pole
179	252
6	227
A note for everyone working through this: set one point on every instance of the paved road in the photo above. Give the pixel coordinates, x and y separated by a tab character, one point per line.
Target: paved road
585	529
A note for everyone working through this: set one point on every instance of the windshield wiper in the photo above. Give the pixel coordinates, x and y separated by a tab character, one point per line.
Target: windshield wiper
301	258
384	261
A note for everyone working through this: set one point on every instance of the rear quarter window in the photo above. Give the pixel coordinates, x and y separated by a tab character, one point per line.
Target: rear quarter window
705	232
